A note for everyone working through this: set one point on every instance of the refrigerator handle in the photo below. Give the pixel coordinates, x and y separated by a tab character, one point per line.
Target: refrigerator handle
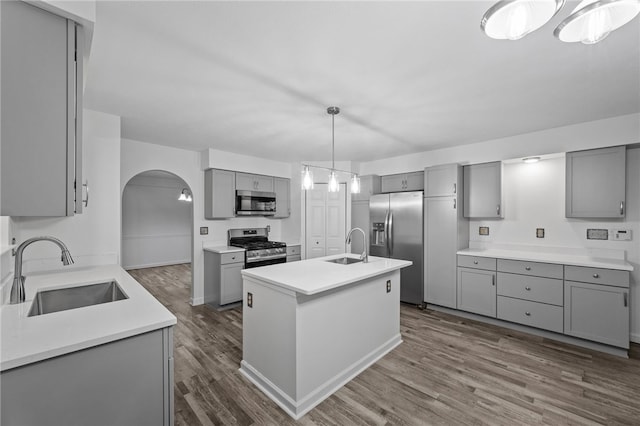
390	233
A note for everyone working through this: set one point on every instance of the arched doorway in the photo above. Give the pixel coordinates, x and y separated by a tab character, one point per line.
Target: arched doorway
157	221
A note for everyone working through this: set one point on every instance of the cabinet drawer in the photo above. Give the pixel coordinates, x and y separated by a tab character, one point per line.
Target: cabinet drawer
597	275
488	263
535	289
538	269
293	250
533	314
294	258
234	257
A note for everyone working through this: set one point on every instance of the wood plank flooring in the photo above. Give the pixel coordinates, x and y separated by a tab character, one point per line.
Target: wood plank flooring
447	371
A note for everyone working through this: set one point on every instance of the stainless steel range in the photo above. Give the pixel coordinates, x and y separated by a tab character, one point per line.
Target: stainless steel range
259	251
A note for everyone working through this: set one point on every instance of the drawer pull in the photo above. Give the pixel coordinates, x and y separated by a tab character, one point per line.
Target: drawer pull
475	262
528	314
596	276
528	268
527	288
233	258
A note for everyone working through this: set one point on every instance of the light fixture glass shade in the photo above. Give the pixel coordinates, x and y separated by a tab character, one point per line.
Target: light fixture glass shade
513	19
592	20
531	160
355	184
185	195
307	179
334	185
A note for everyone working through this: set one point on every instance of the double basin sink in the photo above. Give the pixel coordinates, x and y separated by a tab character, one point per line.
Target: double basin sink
62	299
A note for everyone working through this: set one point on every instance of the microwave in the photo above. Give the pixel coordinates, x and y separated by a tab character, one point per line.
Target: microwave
254	203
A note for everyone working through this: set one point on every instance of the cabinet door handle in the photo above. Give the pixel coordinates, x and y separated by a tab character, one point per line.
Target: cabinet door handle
596	276
621	208
454	188
527	268
454	204
528	314
493	280
498	210
86	200
527	288
475	262
624	298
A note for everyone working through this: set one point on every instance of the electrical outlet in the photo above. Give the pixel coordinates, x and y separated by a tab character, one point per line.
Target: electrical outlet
539	232
204	230
388	286
483	230
621	234
250	300
597	234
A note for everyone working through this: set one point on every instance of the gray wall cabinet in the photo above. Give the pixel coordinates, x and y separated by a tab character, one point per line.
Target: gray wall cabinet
41	112
369	185
222	277
402	182
126	382
249	182
445	232
282	188
483	190
219	194
595	183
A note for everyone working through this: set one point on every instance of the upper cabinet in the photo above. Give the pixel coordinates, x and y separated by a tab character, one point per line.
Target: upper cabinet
441	181
41	112
369	185
595	183
219	194
483	190
249	182
403	182
283	197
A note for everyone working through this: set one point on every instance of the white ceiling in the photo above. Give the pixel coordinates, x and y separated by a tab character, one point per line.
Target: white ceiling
256	77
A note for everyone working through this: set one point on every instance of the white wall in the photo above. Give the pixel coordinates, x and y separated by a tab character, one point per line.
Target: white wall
156	226
92	237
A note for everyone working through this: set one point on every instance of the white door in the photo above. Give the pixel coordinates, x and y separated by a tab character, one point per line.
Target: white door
325	221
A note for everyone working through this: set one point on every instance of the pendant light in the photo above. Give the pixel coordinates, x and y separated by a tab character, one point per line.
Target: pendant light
334	185
185	195
592	20
355	184
513	19
307	179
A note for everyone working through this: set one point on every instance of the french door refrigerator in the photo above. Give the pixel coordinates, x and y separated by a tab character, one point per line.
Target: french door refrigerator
396	232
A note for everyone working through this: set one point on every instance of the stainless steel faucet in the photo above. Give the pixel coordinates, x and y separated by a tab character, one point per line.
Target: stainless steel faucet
17	289
365	255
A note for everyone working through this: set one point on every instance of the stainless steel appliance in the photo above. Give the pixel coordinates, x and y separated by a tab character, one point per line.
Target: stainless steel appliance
254	203
396	232
259	251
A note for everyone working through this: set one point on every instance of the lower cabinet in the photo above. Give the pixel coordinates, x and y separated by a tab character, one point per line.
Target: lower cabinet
533	314
597	312
477	291
222	277
125	382
293	253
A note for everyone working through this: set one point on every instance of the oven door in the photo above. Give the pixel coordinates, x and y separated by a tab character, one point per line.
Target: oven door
264	261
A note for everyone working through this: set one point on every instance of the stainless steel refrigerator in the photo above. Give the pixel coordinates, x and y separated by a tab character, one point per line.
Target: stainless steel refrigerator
396	232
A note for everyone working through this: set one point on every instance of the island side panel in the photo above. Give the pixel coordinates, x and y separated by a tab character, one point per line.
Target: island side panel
342	332
268	339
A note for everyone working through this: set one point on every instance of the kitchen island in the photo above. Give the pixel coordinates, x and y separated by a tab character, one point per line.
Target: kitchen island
311	326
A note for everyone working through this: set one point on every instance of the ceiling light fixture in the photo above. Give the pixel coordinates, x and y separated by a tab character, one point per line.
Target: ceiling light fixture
531	160
334	182
185	195
592	20
514	19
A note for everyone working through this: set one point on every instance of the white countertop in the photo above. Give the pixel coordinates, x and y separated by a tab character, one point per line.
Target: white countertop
550	257
222	249
313	276
25	340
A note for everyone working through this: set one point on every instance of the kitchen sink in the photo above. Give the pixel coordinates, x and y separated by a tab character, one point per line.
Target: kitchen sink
345	260
62	299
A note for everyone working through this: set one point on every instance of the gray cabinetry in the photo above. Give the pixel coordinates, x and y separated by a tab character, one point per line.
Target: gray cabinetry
282	188
595	183
250	182
402	182
476	288
598	312
445	232
219	194
41	103
369	185
222	277
293	253
126	382
483	190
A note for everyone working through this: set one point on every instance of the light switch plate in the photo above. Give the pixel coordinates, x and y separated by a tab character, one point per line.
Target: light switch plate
597	234
621	234
204	230
483	230
539	232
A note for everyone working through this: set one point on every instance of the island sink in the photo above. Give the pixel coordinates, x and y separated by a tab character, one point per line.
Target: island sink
344	260
62	299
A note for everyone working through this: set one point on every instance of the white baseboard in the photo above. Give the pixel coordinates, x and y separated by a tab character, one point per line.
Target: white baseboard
156	264
197	301
634	337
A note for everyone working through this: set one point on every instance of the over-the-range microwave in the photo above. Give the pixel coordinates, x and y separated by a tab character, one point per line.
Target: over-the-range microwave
254	203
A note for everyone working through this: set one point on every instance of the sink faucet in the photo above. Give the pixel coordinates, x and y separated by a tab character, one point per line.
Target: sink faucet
364	256
17	289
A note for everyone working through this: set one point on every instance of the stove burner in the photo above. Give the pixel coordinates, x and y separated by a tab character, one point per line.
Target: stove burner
259	250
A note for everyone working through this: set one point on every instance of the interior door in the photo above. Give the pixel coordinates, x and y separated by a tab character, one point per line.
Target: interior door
325	221
336	221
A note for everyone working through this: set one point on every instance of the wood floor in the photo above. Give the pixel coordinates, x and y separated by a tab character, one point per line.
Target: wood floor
447	371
